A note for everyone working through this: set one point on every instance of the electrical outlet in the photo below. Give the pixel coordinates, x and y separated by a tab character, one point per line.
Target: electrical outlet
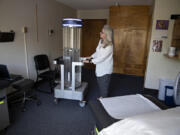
50	32
24	29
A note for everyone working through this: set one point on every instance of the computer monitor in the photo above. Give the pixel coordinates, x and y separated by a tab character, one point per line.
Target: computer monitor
4	73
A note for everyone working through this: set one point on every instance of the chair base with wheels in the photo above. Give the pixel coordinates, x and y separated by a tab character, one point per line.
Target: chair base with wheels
25	86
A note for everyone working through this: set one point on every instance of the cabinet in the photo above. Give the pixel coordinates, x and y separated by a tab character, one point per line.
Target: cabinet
176	40
176	34
131	26
4	114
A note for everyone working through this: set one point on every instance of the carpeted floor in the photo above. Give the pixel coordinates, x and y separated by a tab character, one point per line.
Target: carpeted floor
66	117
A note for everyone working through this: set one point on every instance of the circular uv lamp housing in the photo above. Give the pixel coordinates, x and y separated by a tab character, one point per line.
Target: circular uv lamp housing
72	22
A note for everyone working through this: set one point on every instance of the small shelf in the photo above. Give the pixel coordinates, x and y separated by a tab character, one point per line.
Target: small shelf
175	57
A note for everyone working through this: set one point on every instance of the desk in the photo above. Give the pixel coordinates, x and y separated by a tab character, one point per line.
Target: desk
4	114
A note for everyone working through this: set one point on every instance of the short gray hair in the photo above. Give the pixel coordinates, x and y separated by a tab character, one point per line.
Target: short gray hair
109	35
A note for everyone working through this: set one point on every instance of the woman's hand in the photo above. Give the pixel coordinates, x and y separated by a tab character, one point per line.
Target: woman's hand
85	61
89	57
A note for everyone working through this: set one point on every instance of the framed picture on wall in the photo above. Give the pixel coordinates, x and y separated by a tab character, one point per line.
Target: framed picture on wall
157	45
162	24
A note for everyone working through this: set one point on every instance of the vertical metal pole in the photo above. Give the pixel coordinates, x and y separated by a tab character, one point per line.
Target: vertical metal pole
73	76
62	77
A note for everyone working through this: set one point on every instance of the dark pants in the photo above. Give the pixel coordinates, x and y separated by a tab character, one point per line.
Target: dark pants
103	83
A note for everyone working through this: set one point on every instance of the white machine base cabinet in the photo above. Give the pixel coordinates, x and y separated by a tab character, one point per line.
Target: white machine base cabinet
78	94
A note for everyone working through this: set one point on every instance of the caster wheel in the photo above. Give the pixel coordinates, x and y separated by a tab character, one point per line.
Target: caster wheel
38	103
4	131
23	109
82	103
56	101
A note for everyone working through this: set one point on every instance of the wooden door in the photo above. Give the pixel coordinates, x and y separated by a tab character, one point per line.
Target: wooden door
90	37
130	24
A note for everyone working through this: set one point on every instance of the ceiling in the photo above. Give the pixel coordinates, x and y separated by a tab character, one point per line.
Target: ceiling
102	4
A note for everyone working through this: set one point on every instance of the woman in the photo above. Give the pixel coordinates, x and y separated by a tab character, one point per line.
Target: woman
103	59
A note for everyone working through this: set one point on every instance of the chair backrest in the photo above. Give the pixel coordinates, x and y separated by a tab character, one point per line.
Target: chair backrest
41	62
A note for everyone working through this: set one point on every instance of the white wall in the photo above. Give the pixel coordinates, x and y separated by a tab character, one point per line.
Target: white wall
158	65
15	14
93	14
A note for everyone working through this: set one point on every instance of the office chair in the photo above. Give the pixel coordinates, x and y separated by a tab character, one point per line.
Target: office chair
44	71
